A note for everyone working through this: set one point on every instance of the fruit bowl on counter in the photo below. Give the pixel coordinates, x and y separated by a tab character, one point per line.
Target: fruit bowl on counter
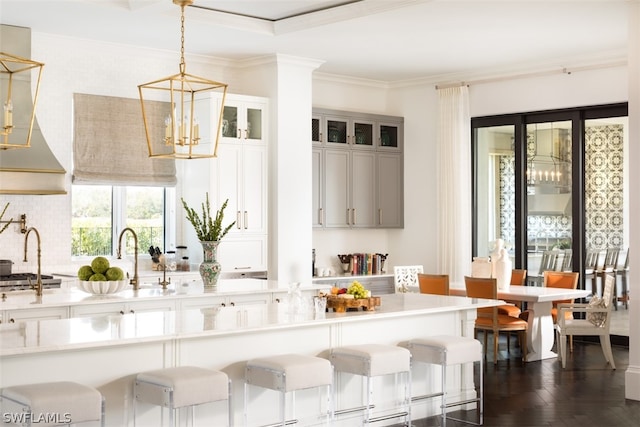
103	287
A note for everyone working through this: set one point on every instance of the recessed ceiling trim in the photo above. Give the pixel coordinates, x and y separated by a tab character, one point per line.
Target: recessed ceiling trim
298	21
338	14
230	20
293	12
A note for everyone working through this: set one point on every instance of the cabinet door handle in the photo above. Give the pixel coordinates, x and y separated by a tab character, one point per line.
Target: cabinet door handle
320	137
354	216
233	304
278	300
246	220
320	215
121	311
12	320
239	133
379	216
241	268
223	304
348	216
238	226
132	311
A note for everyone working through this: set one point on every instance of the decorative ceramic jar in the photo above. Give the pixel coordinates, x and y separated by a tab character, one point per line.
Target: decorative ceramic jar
210	267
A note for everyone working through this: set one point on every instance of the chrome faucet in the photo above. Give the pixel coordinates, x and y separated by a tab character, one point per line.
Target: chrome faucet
39	276
135	282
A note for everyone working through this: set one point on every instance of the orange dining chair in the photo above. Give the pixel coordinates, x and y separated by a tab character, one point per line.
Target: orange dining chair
560	279
437	284
513	308
495	323
518	278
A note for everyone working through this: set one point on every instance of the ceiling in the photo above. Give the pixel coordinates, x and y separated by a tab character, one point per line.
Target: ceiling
381	40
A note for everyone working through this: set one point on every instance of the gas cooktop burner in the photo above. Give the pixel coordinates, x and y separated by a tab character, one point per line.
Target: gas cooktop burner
24	281
23	276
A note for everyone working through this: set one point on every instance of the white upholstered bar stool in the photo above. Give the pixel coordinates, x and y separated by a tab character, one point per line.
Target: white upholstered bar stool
447	350
53	404
289	373
374	360
181	387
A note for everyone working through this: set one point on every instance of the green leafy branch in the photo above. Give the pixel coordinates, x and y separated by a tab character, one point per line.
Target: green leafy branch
207	227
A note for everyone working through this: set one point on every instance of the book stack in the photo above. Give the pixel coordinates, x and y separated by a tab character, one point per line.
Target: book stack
367	263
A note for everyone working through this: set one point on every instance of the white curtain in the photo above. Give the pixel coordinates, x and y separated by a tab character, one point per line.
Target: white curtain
454	186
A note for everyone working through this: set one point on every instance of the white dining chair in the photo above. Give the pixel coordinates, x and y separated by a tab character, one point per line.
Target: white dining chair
406	277
597	322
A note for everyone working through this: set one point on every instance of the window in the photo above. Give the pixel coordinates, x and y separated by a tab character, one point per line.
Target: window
101	212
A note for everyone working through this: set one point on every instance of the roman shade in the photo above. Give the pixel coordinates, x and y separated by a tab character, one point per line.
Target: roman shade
110	145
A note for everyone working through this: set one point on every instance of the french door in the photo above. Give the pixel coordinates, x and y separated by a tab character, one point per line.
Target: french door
550	183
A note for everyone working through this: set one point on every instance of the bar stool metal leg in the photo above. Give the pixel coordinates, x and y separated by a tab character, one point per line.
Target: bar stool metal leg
447	351
287	374
375	360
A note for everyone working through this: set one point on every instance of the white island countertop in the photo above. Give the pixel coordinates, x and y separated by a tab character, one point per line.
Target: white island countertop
148	291
106	331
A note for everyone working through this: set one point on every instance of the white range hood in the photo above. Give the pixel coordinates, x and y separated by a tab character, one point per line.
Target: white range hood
33	170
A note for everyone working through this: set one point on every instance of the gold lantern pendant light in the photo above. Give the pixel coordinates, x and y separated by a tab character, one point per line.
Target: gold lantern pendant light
181	135
18	115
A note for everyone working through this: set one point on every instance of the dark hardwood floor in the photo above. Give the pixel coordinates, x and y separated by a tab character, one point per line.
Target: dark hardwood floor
587	393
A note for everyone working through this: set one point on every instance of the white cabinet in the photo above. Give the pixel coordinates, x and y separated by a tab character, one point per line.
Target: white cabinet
241	178
357	173
45	313
122	308
202	302
244	118
241	170
239	175
243	254
225	301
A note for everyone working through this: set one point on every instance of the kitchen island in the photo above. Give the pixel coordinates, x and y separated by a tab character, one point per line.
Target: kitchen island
107	351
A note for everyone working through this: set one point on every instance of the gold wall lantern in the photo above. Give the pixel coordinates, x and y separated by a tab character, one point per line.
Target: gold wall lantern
18	114
181	138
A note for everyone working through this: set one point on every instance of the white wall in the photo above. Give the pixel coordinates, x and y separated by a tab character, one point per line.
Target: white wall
581	88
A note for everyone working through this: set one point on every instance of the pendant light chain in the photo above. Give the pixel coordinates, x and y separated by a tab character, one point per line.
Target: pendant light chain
182	63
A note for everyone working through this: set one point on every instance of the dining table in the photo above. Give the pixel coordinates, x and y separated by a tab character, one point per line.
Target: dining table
541	330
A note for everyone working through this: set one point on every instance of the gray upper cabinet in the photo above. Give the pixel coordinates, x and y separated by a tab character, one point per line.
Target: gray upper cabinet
389	188
357	170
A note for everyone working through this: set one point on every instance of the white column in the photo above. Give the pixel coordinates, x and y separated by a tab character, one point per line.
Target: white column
632	376
290	237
